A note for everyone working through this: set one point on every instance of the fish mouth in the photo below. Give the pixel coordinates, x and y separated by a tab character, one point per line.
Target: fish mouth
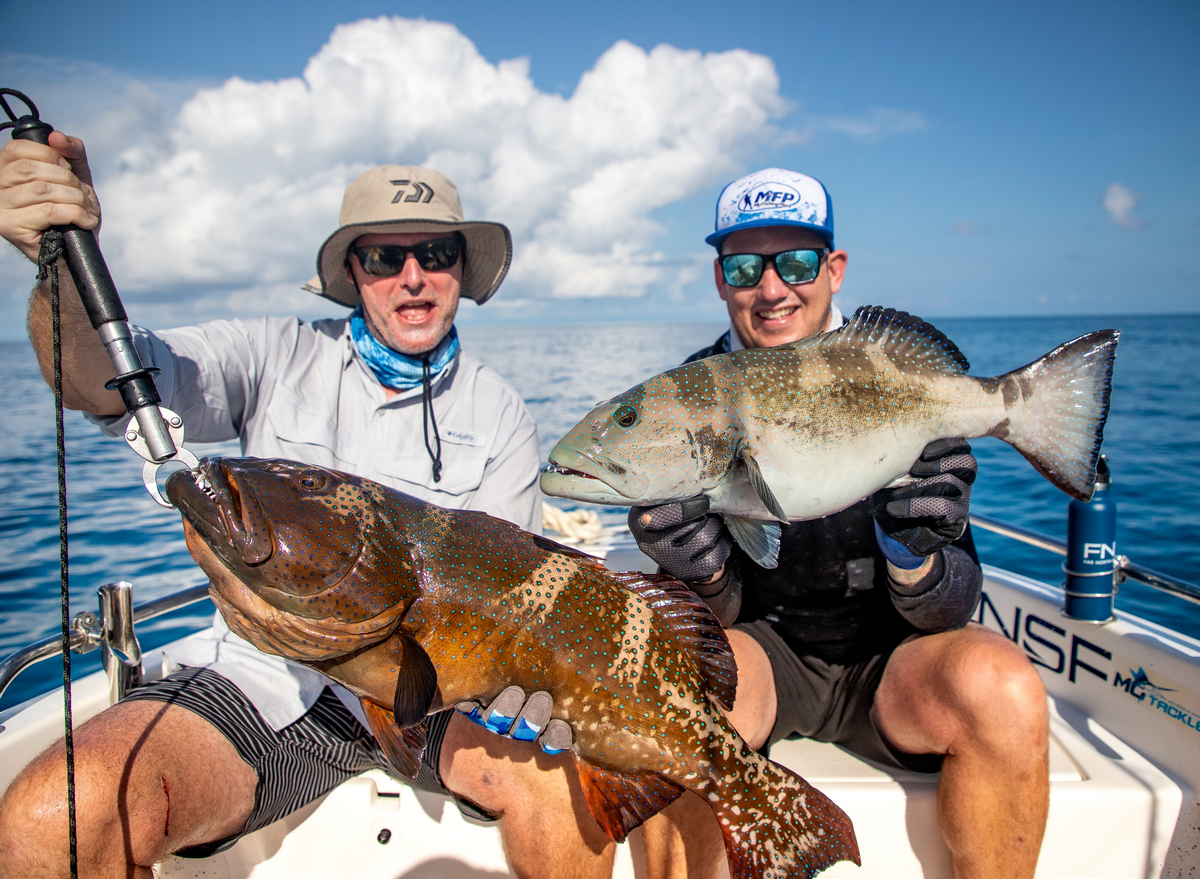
592	480
222	510
567	471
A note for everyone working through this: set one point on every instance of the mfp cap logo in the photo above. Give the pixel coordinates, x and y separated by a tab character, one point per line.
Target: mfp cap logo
767	196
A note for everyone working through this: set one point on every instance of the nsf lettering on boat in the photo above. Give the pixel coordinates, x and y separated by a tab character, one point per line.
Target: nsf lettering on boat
1088	664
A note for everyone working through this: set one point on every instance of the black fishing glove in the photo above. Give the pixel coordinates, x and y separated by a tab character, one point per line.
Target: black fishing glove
513	716
685	540
916	520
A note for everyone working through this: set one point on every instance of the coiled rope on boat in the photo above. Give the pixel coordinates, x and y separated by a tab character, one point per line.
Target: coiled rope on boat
574	526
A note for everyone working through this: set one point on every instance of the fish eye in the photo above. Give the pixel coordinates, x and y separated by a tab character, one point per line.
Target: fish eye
626	416
312	479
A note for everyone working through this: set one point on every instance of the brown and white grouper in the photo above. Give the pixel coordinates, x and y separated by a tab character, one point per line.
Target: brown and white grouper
414	607
804	430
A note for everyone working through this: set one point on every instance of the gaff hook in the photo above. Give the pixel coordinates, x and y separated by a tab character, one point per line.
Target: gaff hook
155	433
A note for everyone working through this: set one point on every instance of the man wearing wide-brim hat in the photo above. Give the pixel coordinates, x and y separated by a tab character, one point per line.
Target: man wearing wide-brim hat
234	738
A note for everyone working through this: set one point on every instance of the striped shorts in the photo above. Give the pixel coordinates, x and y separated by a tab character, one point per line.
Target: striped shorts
298	763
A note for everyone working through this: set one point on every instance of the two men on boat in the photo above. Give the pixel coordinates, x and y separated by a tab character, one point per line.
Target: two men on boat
860	636
235	739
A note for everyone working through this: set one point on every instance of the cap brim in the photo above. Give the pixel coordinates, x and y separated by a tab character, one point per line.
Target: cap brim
716	238
489	254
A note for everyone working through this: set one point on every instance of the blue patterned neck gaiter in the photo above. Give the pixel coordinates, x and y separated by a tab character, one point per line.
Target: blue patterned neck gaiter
396	370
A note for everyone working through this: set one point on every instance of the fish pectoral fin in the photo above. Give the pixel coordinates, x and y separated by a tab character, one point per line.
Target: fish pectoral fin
759	539
620	801
416	682
759	483
402	747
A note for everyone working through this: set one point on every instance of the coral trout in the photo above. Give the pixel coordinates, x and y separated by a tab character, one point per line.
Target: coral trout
414	607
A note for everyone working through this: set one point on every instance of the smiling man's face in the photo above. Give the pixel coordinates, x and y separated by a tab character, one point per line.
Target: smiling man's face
412	311
772	312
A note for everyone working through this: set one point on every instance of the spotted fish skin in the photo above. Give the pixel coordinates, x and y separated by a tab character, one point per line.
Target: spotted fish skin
802	431
414	607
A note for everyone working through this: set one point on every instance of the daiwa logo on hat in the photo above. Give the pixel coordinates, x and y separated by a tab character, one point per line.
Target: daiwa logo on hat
773	197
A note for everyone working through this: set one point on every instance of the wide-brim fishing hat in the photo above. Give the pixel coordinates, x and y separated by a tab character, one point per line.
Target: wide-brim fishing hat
773	197
407	198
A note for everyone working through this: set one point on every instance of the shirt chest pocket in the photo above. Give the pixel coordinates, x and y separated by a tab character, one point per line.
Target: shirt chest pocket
411	469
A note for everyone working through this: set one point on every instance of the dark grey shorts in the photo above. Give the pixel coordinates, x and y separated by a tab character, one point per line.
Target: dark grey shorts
298	763
830	703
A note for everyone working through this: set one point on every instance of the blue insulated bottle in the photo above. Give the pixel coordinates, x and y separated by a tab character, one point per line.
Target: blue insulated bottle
1092	553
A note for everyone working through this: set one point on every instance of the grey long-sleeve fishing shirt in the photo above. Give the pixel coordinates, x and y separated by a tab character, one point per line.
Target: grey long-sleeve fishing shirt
290	389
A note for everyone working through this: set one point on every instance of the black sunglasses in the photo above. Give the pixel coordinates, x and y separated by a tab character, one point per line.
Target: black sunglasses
793	266
386	260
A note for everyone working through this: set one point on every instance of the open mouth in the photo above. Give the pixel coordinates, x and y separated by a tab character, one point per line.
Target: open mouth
212	501
567	471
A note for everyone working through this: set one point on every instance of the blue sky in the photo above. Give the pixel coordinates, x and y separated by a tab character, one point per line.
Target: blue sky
1019	159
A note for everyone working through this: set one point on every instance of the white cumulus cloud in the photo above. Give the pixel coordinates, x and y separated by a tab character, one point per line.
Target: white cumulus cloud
217	195
1120	203
232	195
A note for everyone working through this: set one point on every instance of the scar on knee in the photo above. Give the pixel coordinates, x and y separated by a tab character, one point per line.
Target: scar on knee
167	794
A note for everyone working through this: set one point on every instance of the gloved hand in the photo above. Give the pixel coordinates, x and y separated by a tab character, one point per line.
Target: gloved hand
916	520
685	540
527	720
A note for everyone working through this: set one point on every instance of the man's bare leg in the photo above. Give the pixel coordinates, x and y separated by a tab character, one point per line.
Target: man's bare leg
973	695
684	840
547	829
150	778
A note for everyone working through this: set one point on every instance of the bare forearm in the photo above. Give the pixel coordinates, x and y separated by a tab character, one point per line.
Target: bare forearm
85	363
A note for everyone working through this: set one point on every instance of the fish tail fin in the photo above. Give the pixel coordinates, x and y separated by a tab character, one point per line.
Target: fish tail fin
1057	408
798	833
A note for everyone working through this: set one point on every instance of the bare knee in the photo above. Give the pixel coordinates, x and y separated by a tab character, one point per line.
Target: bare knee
34	816
149	779
753	714
1001	695
968	690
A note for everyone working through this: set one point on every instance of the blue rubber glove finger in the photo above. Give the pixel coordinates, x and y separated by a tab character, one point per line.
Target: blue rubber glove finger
473	711
534	716
500	714
557	737
513	716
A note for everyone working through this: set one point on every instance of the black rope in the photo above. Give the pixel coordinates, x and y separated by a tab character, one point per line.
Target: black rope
52	249
428	416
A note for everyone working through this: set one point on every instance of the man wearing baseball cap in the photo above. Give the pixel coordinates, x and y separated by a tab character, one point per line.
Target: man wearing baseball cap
861	635
234	739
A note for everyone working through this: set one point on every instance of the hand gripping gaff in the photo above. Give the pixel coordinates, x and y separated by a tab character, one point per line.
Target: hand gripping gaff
156	433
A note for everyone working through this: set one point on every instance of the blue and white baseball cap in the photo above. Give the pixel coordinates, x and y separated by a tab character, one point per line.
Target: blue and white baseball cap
773	197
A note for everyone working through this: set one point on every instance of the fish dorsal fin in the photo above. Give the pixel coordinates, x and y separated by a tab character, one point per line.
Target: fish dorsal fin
907	339
416	681
679	608
620	801
402	747
758	539
759	483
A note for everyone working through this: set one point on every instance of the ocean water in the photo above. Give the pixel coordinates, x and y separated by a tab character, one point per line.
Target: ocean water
118	533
